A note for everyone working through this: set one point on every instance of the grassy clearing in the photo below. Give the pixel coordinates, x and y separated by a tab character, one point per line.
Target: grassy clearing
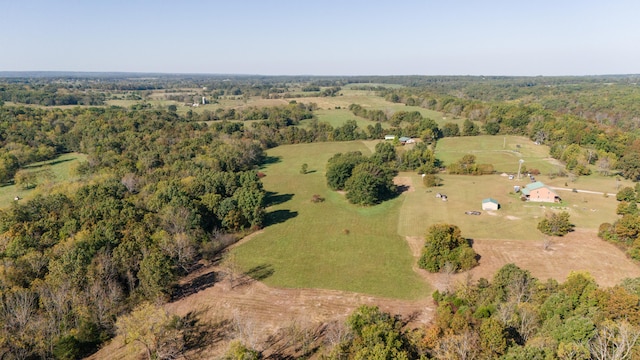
330	245
503	152
338	117
516	220
61	167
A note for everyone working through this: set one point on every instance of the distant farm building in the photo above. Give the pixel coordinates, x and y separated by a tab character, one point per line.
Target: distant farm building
539	192
490	204
389	137
406	140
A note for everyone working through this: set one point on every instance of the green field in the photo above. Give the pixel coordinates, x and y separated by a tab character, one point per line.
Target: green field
336	245
503	152
61	167
333	244
338	117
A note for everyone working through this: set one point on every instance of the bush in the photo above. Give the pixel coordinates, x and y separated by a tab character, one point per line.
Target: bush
430	180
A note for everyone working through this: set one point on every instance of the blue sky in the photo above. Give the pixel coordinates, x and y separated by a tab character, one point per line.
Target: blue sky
327	37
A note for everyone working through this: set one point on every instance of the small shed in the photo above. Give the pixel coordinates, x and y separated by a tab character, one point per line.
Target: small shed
490	204
389	137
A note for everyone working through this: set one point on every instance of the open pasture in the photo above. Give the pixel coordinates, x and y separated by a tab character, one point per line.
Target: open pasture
313	245
338	117
332	244
61	168
503	152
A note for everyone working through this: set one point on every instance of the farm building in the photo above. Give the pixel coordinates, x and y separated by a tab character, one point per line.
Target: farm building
490	204
406	140
540	192
389	137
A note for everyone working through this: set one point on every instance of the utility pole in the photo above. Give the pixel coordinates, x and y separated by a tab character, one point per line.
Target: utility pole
519	167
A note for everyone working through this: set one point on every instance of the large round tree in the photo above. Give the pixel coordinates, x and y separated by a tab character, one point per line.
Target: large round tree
445	244
370	184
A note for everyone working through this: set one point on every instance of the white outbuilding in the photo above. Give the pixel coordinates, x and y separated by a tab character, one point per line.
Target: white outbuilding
490	204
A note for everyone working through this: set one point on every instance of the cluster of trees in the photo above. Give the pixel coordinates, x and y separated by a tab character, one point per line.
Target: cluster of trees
625	231
372	114
467	166
367	181
519	317
513	317
284	115
374	334
446	249
49	95
169	192
579	137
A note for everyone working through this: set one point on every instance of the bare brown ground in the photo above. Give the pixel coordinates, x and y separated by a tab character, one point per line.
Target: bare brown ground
580	250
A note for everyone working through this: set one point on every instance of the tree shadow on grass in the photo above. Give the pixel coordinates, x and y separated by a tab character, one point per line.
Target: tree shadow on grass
279	216
49	163
270	160
273	198
260	272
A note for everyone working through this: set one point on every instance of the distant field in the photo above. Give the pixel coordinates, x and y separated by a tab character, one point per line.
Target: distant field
504	152
61	168
338	117
329	245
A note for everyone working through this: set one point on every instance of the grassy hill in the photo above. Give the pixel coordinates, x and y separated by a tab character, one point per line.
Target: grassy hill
333	244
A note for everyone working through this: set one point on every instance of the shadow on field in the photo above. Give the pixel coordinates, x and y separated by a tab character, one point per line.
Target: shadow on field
270	160
197	284
260	272
470	242
54	162
279	216
273	198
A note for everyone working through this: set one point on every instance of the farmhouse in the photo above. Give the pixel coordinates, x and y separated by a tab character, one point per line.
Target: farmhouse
490	204
406	140
538	191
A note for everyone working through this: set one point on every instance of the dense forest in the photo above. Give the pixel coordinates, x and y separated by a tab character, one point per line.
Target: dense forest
161	190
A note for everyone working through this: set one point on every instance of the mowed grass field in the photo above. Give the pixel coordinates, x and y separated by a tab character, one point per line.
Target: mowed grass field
336	245
329	245
503	152
515	220
61	168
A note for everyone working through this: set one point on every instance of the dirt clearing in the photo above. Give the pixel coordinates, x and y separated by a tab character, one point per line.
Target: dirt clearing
263	313
580	250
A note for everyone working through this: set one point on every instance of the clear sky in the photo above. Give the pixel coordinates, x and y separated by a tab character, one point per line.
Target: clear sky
324	37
